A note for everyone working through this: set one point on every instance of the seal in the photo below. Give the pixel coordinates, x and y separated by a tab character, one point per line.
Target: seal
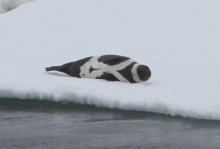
108	67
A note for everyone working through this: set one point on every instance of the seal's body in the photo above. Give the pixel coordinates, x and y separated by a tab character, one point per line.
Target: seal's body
108	67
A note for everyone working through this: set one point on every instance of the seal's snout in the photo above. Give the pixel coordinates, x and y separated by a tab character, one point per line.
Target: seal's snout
143	72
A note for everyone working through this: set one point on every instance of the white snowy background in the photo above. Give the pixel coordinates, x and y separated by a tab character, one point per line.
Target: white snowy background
178	39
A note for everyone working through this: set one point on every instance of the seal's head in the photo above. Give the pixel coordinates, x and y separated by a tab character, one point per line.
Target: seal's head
143	72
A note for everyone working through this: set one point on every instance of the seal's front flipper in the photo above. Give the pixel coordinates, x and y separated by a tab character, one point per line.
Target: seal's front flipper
110	77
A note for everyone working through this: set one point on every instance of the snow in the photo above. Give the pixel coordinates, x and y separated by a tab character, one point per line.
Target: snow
178	40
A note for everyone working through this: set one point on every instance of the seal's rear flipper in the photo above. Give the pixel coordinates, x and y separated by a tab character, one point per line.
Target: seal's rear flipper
64	68
53	68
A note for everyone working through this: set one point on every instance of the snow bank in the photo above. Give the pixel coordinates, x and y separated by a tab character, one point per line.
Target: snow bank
178	40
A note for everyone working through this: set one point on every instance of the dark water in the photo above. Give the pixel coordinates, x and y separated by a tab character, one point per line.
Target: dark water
35	124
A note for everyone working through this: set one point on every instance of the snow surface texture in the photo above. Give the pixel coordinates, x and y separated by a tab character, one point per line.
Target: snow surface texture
8	5
178	40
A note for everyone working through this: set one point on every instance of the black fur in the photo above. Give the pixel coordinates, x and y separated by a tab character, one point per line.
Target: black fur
143	72
112	59
126	73
108	76
91	69
73	69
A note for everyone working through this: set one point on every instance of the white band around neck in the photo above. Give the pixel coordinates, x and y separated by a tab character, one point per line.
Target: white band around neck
134	73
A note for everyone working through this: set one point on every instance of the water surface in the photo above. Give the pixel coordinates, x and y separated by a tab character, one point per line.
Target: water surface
47	124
